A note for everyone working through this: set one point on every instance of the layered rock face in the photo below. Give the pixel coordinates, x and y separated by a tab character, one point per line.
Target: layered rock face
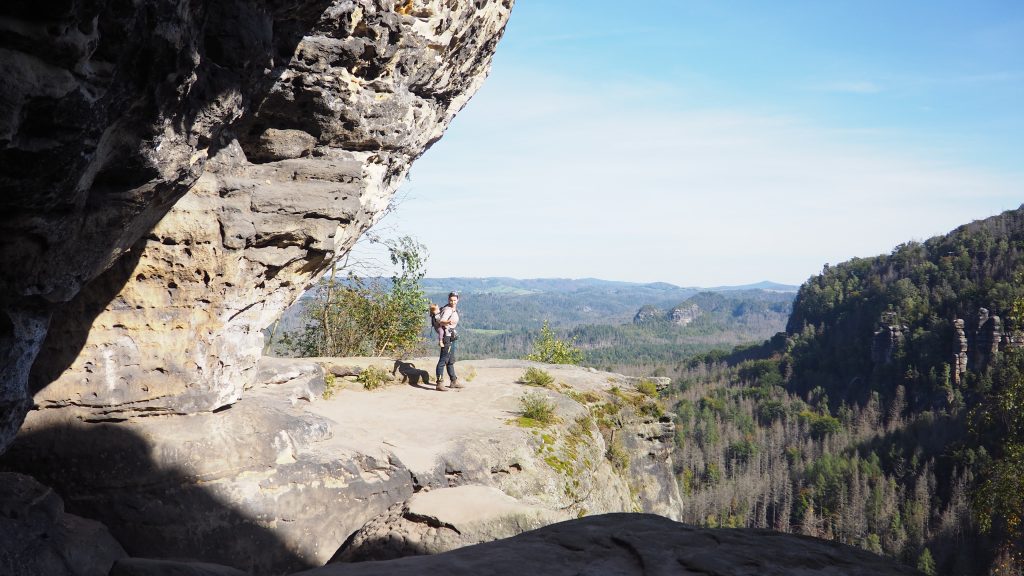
288	124
959	351
280	480
684	315
977	343
251	487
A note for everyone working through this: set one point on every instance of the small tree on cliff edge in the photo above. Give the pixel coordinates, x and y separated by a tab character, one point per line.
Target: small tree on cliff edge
367	316
548	348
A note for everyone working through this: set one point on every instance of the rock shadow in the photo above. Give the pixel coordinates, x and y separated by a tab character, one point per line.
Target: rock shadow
107	473
71	323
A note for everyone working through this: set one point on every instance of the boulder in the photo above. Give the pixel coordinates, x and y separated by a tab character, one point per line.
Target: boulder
273	145
37	537
637	544
435	521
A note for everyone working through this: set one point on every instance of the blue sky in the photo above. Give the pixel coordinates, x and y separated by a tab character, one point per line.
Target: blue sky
709	143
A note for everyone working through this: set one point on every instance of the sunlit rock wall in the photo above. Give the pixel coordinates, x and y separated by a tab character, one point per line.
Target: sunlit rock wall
289	124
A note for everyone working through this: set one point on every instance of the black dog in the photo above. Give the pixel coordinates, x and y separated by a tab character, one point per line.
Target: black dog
410	373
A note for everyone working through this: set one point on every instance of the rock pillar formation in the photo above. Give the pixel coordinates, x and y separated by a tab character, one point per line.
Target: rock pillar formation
959	351
986	338
887	339
173	175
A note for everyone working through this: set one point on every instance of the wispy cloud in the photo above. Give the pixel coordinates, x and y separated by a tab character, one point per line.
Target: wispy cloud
848	87
548	178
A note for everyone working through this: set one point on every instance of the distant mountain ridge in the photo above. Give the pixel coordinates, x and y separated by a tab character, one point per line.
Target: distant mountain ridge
500	284
502	315
499	303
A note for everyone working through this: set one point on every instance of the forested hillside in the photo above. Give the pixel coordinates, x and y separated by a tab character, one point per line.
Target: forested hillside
501	317
641	340
511	304
890	416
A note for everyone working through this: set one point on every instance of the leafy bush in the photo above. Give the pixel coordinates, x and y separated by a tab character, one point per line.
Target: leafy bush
536	377
551	350
366	316
329	385
650	408
647	388
372	377
537	407
618	457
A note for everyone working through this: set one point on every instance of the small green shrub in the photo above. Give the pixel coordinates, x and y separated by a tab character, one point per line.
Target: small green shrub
537	407
647	388
547	348
469	375
585	397
618	457
650	408
329	386
372	377
537	377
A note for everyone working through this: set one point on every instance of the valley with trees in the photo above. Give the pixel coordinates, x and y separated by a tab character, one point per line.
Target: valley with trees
888	416
882	407
622	326
215	351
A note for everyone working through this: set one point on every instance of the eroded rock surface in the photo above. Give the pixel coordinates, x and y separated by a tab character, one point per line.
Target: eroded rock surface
252	486
37	537
289	125
638	544
436	521
281	479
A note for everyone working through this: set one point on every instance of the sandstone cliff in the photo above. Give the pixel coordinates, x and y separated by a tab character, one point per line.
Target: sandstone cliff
286	127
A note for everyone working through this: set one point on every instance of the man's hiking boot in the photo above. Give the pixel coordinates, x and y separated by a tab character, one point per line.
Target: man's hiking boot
457	383
441	386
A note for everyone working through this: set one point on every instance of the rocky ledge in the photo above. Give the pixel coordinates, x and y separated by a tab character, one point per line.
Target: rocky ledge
316	476
285	479
638	544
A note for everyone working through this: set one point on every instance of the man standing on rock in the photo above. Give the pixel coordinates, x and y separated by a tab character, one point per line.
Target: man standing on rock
448	319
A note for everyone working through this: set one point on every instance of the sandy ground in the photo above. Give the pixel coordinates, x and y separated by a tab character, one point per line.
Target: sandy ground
417	423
